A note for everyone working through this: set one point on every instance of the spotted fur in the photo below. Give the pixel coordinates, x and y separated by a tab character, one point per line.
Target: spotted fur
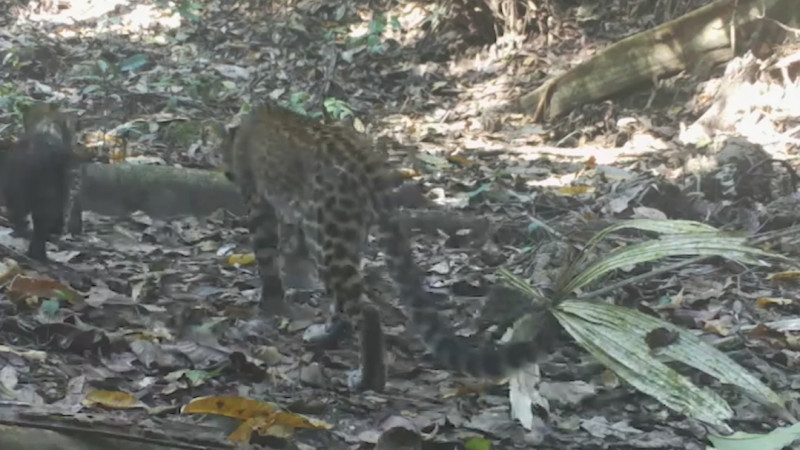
330	180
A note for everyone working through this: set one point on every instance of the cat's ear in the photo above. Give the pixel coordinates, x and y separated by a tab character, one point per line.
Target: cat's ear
228	133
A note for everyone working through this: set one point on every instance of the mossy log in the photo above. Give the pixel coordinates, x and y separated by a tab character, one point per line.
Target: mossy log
160	191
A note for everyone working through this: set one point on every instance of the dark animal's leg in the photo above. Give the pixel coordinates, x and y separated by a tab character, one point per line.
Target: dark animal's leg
339	245
74	207
265	236
47	211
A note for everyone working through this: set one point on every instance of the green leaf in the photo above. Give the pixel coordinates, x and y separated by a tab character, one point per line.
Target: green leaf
102	65
298	97
133	62
657	226
66	294
476	443
701	244
11	57
479	190
337	108
90	88
188	9
197	377
374	44
376	26
774	440
50	308
616	336
518	283
608	337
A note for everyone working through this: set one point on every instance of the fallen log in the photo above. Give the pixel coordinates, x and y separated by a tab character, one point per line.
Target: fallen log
695	41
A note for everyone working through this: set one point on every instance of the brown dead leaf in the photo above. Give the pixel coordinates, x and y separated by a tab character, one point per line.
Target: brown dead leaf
763	332
610	379
23	286
460	160
467	389
721	326
117	155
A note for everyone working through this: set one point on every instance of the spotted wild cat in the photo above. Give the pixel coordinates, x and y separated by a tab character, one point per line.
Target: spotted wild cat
329	180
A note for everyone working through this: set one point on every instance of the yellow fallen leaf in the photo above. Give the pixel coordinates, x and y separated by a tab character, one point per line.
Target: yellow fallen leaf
241	259
407	173
265	426
300	421
268	426
243	432
235	407
788	275
575	190
112	399
765	302
255	415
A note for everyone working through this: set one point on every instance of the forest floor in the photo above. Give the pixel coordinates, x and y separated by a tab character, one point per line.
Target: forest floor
168	316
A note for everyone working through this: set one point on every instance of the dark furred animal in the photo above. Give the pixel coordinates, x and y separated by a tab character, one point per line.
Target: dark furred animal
330	181
36	180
